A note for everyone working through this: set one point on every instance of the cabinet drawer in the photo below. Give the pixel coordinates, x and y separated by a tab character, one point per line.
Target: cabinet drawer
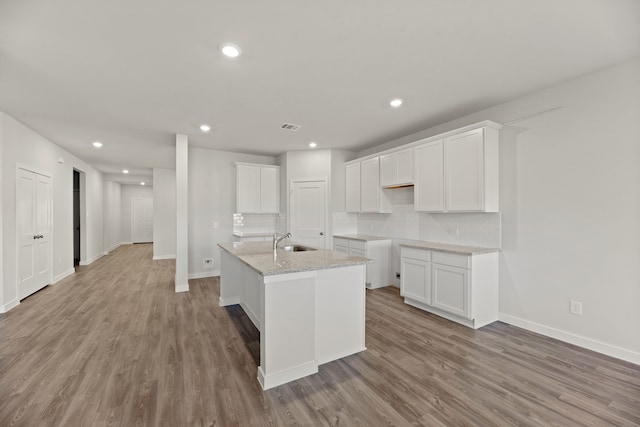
339	241
358	244
421	254
455	260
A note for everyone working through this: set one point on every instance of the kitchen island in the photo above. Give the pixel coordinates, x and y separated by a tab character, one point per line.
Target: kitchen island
309	306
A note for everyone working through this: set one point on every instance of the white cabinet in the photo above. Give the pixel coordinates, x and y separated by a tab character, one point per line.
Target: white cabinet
428	193
363	192
471	171
415	275
257	188
352	177
396	169
459	287
370	185
379	251
458	173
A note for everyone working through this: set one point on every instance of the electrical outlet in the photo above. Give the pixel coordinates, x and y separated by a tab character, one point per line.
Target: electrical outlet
576	308
397	275
215	225
207	263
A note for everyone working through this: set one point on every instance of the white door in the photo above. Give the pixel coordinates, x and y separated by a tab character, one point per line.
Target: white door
307	205
34	214
142	220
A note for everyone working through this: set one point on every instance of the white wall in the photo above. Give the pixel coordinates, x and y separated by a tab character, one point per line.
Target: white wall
212	198
2	308
129	192
570	205
112	215
24	146
164	213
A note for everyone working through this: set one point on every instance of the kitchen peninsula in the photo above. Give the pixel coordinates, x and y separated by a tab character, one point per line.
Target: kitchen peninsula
308	305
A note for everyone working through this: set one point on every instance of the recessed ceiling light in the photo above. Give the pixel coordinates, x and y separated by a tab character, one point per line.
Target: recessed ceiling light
395	103
230	50
142	183
97	144
313	145
125	171
205	128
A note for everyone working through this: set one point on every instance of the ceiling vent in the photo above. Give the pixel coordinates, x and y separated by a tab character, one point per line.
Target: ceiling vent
289	126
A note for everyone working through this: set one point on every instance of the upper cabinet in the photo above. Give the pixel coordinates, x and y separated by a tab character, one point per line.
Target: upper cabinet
396	169
458	173
352	177
257	188
363	191
428	193
453	172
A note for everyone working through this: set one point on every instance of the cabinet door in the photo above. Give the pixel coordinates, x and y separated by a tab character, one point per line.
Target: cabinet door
248	189
428	191
388	169
415	280
269	190
352	178
370	185
404	167
450	289
464	167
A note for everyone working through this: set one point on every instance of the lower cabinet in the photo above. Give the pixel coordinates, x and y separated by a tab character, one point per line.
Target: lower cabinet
459	287
415	274
379	251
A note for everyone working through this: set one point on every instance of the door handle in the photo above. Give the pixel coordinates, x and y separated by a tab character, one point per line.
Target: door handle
38	236
322	233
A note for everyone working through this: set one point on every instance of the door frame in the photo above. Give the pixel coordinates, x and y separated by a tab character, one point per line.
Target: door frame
290	183
132	216
22	166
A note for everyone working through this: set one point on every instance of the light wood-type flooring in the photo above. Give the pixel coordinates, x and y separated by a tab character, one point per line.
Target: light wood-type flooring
115	345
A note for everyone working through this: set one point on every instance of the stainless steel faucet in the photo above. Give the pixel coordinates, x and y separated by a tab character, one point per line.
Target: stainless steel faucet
277	239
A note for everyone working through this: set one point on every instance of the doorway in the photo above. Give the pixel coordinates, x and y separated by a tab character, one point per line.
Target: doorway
308	214
76	218
142	220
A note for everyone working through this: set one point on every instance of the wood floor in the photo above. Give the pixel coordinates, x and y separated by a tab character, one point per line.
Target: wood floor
114	345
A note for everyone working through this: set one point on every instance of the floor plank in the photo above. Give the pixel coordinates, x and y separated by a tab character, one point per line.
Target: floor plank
115	345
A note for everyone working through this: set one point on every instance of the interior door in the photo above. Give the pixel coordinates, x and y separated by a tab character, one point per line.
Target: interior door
142	220
308	204
34	215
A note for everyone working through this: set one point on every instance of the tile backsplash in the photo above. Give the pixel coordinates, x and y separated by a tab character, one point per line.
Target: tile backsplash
254	223
476	229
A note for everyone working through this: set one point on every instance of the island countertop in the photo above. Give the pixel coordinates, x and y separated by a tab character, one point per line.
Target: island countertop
259	256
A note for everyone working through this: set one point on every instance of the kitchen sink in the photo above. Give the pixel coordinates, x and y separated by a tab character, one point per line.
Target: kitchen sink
297	248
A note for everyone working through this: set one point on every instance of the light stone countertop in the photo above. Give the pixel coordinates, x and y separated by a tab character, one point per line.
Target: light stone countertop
259	256
243	234
362	237
447	247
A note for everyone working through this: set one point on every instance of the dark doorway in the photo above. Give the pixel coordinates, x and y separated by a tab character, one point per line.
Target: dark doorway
76	218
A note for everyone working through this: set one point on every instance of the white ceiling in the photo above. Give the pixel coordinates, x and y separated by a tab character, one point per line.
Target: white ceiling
133	73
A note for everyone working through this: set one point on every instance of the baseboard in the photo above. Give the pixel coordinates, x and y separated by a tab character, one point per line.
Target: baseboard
158	257
268	381
95	258
182	288
223	302
580	341
204	274
64	275
8	306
